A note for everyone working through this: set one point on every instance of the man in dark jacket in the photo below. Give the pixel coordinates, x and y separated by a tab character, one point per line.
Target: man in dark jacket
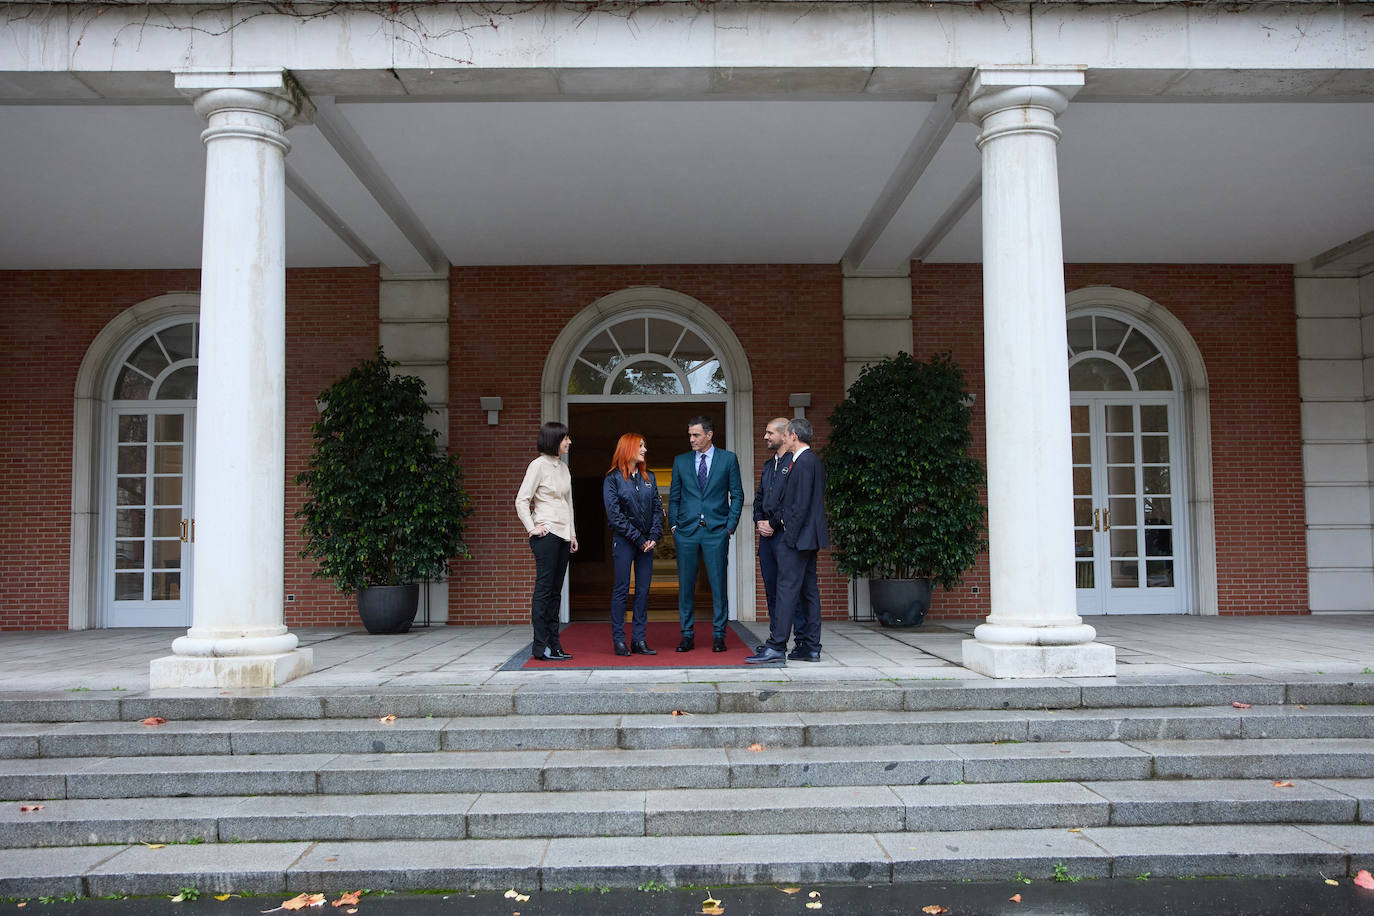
801	532
768	500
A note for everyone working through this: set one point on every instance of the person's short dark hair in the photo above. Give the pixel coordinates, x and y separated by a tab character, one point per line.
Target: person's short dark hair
801	428
703	422
551	437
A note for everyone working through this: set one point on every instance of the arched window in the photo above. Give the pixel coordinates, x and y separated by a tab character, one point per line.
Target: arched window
641	355
1107	354
162	367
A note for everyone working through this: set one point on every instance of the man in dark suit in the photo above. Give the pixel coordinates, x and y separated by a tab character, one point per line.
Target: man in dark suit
801	533
705	501
767	501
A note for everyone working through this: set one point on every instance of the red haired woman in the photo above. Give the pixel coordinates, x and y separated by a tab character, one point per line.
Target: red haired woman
635	514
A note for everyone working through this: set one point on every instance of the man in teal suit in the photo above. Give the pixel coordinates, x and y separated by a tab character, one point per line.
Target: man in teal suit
704	506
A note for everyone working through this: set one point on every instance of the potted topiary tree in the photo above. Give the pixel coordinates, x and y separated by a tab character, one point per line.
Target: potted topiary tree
385	507
902	490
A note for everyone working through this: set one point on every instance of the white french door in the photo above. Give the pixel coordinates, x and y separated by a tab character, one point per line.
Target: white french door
149	523
1127	504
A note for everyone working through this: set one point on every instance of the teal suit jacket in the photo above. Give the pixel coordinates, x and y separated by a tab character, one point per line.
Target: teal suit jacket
720	504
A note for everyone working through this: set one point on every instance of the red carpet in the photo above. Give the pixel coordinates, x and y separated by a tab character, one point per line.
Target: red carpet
589	644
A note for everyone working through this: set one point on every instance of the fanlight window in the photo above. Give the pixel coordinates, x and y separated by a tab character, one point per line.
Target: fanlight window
646	356
162	367
1107	354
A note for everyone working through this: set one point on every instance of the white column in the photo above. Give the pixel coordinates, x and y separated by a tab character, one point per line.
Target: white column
1033	629
238	637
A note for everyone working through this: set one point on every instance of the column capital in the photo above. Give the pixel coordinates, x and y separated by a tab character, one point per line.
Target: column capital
993	89
275	93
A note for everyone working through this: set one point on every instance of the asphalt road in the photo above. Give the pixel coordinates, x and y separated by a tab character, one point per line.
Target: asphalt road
1197	897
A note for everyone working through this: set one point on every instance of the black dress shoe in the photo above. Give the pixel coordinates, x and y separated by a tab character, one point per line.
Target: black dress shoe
718	644
622	649
558	653
803	655
548	655
766	656
687	644
642	648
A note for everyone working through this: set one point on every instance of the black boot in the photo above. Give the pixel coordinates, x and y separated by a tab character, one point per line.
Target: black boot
622	649
642	648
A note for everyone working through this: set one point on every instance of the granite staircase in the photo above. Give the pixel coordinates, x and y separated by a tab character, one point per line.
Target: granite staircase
545	786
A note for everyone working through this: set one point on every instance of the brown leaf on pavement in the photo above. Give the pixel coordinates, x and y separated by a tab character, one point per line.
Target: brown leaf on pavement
756	747
387	720
1282	784
1015	898
790	890
1240	705
25	809
155	720
351	898
935	909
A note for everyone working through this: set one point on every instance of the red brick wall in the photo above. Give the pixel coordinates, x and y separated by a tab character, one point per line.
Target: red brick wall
1241	318
48	320
331	326
788	319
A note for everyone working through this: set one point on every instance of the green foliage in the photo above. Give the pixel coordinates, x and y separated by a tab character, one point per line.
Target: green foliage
902	489
1063	875
384	506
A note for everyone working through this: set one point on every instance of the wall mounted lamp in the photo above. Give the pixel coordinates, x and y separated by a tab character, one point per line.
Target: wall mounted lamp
493	408
799	403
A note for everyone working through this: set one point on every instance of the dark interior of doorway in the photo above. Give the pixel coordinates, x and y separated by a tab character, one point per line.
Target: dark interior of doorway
595	429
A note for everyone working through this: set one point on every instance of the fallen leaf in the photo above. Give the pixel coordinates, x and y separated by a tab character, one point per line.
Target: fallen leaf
223	897
351	898
301	901
354	909
814	905
1364	880
1240	705
790	890
25	809
679	712
1283	784
714	910
155	720
387	720
513	894
814	895
510	894
935	909
155	845
1075	830
331	858
756	747
179	898
1333	882
1015	898
1301	707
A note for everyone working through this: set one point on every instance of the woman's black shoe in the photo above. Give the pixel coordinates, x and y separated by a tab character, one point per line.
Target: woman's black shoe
642	648
622	649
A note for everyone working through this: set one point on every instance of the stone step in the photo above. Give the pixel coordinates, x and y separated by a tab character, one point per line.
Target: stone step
542	699
677	812
655	731
545	864
703	768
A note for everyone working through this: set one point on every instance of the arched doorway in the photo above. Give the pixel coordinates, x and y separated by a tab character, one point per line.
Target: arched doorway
134	408
1137	508
644	360
147	483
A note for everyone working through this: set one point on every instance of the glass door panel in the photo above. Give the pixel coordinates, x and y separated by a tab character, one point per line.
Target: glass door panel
150	530
1124	456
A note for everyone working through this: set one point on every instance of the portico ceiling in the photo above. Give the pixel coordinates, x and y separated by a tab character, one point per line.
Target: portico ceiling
1261	157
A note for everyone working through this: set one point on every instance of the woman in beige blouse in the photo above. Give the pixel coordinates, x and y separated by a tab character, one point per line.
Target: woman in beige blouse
545	507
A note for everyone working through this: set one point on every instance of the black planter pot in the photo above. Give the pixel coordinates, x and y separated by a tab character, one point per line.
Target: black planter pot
388	608
899	602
